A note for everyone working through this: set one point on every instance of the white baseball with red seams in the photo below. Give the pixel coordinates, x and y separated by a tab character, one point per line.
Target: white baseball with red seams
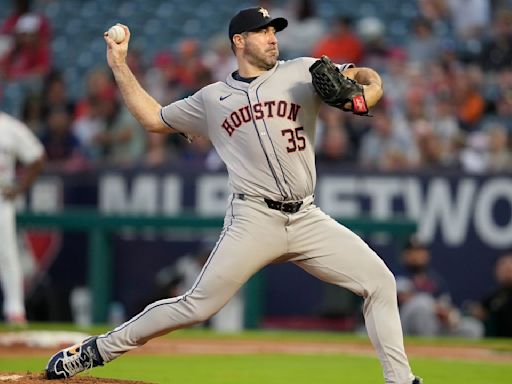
116	33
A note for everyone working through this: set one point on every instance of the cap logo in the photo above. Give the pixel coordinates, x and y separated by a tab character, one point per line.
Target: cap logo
264	12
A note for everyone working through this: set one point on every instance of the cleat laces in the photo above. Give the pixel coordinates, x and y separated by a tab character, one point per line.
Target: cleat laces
78	362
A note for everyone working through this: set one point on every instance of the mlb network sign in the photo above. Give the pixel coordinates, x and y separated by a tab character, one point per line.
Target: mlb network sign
457	208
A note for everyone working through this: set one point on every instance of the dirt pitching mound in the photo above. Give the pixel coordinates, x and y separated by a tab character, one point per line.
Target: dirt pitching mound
38	378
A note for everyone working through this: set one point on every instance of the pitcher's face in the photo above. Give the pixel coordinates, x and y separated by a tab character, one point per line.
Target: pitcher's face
260	48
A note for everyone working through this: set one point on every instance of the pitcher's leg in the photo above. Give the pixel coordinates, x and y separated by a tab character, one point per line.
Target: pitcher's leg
338	256
384	329
210	294
11	275
239	253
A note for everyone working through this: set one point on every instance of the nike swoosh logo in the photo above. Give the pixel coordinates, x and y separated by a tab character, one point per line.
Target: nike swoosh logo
224	97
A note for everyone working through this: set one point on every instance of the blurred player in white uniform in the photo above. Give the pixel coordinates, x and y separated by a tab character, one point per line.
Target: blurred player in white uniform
17	144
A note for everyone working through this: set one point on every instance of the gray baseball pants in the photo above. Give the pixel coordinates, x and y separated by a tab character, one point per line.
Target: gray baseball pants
254	236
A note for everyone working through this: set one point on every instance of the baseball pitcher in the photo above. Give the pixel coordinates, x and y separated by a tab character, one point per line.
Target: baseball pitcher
261	121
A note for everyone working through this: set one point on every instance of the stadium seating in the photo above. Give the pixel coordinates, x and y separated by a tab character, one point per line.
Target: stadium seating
158	24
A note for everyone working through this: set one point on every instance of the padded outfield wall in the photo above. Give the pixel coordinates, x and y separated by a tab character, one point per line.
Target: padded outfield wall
467	219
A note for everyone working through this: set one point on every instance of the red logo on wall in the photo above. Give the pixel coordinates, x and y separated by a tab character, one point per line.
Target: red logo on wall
38	249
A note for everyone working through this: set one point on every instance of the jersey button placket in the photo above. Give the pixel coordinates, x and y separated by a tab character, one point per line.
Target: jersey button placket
265	138
258	122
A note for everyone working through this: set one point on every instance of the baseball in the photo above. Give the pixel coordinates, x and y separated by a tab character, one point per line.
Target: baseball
116	33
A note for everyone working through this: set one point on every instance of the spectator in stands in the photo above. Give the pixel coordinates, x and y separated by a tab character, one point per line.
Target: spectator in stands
304	29
200	153
22	8
219	58
377	49
415	106
503	112
174	279
62	148
424	300
496	309
417	310
24	66
497	51
135	60
178	277
499	154
504	83
346	145
474	157
88	126
189	64
158	152
99	85
29	58
430	150
54	95
469	102
470	19
396	73
385	146
162	79
446	127
431	9
31	113
416	266
356	129
106	128
335	148
181	275
202	78
498	92
435	11
423	46
122	141
422	315
334	143
440	77
341	44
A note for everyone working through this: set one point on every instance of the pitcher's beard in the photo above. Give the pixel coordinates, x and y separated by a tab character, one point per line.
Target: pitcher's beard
262	61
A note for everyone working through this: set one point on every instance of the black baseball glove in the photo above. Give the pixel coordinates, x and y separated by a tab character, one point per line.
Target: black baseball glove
336	89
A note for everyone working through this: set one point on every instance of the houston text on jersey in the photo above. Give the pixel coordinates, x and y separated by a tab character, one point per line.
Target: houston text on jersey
266	109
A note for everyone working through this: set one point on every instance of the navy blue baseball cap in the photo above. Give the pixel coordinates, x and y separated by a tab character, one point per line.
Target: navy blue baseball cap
252	19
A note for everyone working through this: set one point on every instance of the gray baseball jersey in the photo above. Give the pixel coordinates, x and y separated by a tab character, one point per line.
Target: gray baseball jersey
265	133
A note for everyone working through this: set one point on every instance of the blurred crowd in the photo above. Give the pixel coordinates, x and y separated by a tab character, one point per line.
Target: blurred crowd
447	104
426	306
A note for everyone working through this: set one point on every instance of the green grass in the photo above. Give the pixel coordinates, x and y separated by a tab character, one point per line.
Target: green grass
270	369
281	368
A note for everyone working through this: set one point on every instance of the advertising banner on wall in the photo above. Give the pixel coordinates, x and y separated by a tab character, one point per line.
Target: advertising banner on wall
466	219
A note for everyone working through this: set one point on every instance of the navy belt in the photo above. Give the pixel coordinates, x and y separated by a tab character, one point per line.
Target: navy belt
288	207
